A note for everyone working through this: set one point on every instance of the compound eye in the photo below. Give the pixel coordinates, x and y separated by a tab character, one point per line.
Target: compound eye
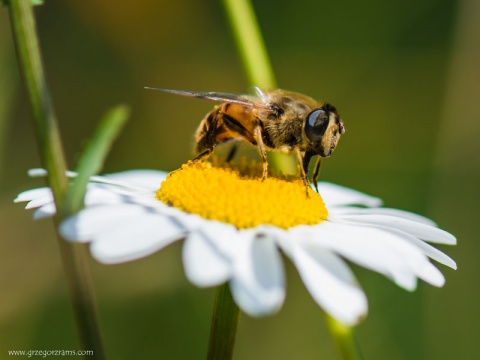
316	124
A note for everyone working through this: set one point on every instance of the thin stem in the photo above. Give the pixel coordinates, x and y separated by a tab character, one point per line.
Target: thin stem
77	269
250	43
224	325
48	139
344	339
256	62
257	65
74	257
259	71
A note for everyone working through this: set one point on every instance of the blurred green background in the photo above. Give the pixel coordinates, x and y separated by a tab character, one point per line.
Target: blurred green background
404	76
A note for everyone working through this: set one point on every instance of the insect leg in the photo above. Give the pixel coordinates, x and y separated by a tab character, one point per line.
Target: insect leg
236	127
316	172
203	155
303	161
306	160
261	149
232	152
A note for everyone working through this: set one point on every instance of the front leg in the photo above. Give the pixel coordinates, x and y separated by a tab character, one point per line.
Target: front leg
304	160
261	149
316	172
203	155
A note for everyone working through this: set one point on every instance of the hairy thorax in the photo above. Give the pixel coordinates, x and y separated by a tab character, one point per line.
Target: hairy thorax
285	133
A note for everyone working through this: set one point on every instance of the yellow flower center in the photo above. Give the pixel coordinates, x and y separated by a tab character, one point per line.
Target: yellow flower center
237	195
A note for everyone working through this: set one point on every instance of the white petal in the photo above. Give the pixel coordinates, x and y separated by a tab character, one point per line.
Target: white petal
37	172
422	231
38	202
148	179
430	274
383	211
216	231
101	194
89	222
44	211
331	284
258	282
427	249
336	195
225	236
34	194
208	259
371	248
135	238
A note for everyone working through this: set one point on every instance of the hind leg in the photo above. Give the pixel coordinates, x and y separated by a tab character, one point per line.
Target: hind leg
232	151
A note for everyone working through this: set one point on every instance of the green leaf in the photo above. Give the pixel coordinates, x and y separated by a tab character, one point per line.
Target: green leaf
92	159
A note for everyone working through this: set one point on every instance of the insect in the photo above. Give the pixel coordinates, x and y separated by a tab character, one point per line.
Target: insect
276	119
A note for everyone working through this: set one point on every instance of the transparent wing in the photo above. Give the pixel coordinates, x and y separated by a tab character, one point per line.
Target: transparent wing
217	96
265	99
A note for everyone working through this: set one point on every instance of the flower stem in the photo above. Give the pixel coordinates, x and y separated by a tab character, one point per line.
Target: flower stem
344	339
256	62
224	325
48	139
74	257
250	43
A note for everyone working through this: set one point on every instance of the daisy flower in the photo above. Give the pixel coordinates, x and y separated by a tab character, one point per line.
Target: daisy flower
236	227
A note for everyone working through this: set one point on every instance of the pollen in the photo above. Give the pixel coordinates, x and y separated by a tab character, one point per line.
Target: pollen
237	195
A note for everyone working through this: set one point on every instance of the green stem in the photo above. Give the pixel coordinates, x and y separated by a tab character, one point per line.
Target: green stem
224	325
344	339
255	60
250	43
48	139
257	65
75	260
259	71
74	257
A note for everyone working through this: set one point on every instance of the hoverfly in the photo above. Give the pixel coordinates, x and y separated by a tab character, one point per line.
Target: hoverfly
274	119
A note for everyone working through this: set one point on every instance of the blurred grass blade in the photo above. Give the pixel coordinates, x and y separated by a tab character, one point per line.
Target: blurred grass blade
9	85
92	159
45	122
32	2
74	256
250	43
